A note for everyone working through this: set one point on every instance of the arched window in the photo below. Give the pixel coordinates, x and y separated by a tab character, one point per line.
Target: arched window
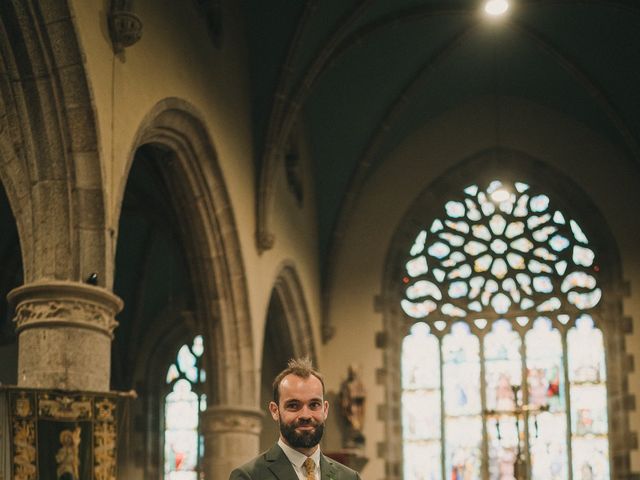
183	443
503	370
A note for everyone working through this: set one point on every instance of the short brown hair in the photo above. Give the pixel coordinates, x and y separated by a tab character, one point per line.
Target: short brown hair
300	367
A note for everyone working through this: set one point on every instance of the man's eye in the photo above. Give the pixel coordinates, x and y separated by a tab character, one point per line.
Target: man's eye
292	406
315	405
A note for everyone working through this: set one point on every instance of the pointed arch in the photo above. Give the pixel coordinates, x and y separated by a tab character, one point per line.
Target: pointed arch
192	173
510	165
50	164
287	289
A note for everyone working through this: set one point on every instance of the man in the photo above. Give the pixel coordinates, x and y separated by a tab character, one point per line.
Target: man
300	409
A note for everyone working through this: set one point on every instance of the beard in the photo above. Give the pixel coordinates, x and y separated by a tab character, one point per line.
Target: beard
304	439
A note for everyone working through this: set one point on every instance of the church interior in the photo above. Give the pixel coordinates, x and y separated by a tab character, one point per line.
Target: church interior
436	201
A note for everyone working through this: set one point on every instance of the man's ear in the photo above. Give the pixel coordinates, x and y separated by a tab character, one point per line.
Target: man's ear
326	408
275	414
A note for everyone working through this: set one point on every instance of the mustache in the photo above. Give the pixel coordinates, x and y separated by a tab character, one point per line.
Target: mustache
304	422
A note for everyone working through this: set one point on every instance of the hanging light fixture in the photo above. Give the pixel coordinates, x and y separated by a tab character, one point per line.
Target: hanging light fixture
496	8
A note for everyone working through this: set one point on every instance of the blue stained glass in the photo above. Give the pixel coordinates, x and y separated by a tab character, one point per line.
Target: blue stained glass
559	218
472	211
583	256
198	346
482	232
577	232
514	229
418	245
436	226
455	209
559	243
497	224
417	266
461	227
439	250
453	311
487	207
454	240
521	207
186	359
423	288
539	203
471	190
418	310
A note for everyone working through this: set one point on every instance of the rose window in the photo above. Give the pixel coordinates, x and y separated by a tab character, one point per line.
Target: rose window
501	251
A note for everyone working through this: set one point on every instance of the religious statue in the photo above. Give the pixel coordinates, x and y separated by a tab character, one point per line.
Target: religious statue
68	458
352	404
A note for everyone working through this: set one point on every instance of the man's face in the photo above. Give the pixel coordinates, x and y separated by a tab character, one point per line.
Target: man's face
301	412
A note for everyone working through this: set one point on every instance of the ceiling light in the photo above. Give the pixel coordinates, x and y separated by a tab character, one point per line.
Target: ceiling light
496	8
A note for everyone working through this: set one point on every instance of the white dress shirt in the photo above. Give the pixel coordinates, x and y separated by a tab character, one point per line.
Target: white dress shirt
297	459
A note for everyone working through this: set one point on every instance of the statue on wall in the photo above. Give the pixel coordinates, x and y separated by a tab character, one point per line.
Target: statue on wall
352	404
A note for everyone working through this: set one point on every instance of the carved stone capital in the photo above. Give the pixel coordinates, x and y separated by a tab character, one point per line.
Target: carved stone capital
71	304
229	419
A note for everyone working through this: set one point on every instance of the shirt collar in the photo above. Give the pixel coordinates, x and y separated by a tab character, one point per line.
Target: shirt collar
296	457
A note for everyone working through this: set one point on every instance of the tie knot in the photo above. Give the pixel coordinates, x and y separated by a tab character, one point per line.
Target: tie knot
309	467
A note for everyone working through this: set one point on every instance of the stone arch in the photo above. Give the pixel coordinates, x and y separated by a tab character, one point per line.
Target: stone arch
288	292
569	197
212	244
287	334
50	167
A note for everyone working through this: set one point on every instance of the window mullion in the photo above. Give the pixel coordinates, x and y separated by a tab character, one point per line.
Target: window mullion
443	440
567	403
483	400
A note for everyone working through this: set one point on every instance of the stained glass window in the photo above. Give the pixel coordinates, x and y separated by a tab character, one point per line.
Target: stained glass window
183	443
503	371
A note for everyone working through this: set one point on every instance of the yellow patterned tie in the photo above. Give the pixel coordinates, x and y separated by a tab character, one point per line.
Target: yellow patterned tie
310	468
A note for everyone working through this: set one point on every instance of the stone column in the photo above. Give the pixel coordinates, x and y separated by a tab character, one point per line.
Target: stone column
231	438
64	335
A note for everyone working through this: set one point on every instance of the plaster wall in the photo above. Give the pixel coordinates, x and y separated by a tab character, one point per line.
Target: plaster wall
599	169
176	59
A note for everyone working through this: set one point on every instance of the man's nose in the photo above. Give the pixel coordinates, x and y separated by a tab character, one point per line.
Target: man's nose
305	412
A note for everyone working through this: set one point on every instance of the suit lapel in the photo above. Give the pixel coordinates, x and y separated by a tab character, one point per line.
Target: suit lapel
327	468
279	464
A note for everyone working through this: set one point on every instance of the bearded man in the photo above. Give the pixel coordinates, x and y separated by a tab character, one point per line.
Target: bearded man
300	410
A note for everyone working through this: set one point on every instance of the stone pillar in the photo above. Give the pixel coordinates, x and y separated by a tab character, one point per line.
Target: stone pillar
64	335
231	438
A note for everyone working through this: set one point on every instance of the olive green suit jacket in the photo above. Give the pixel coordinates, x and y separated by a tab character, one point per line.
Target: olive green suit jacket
274	464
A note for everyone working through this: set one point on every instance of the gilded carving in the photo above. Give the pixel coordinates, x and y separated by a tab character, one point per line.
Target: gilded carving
104	451
23	406
68	455
65	408
104	410
24	457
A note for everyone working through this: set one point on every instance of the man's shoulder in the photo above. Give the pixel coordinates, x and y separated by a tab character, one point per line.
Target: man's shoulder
254	465
340	469
257	465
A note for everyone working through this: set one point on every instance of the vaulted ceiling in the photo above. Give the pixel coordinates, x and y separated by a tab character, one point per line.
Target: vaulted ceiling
361	75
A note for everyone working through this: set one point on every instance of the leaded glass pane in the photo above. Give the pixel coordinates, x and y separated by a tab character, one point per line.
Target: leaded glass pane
546	390
182	406
462	404
421	417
